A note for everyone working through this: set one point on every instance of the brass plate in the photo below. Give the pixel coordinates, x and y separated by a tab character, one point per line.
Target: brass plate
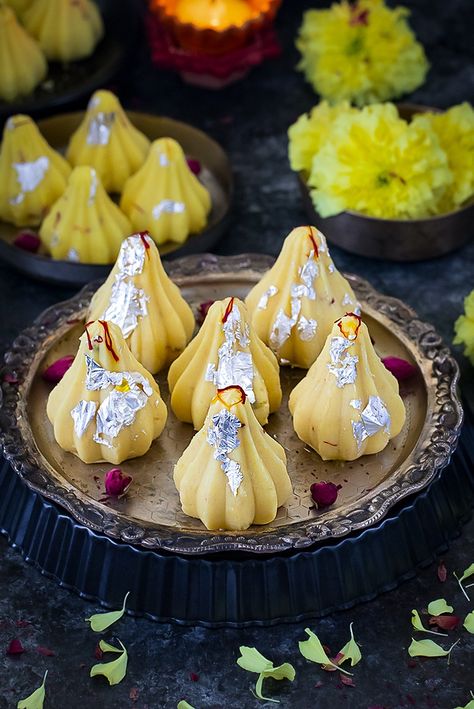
216	175
150	514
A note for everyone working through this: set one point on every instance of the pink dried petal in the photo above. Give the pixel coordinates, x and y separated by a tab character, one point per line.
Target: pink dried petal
324	493
400	368
15	647
27	240
56	371
193	677
98	652
442	572
348	681
203	310
329	668
194	165
10	378
45	651
116	483
445	622
318	684
338	658
23	623
133	695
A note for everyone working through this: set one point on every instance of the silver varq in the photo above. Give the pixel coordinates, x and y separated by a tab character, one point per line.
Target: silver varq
343	365
29	175
373	418
167	206
223	436
99	128
269	293
82	414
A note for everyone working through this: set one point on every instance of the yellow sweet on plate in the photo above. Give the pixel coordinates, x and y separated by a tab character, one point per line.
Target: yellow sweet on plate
232	474
66	30
32	174
22	63
164	197
294	305
348	404
84	224
226	351
107	407
143	301
107	141
19	6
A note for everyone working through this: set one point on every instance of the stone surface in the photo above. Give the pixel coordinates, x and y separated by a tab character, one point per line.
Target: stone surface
250	120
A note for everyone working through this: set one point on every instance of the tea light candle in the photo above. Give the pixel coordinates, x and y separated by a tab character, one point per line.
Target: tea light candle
215	14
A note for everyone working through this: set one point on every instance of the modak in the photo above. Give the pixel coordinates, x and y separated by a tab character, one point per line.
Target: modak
22	64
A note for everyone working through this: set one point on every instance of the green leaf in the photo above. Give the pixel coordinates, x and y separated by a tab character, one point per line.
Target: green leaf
101	621
418	625
469	622
114	671
469	705
35	700
467	573
312	650
284	671
350	651
428	648
184	705
439	607
251	660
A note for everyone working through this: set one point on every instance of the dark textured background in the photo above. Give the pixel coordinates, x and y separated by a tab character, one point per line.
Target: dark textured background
250	120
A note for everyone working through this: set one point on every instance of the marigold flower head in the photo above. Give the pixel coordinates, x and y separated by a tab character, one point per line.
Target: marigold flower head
378	164
363	52
464	327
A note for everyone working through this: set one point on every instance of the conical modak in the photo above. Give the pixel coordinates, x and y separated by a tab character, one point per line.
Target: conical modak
22	63
164	197
143	301
232	474
19	6
107	407
348	403
84	224
225	352
107	141
32	174
293	307
66	30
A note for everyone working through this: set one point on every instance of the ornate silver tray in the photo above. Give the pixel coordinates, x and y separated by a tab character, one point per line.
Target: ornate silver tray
150	514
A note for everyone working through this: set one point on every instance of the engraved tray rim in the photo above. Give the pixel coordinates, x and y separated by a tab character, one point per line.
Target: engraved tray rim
441	437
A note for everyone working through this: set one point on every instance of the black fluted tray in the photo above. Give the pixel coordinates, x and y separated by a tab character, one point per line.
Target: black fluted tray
237	589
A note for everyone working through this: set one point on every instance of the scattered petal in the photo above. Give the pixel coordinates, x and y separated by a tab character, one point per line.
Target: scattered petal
400	368
253	661
35	700
15	647
445	622
324	494
98	652
312	650
116	483
101	621
133	695
348	681
442	572
27	240
202	310
193	677
45	651
428	648
56	371
350	651
439	606
469	622
115	670
467	573
194	165
184	705
418	625
318	684
10	378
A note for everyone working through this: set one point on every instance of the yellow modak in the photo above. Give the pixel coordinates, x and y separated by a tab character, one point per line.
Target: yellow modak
22	63
107	407
225	352
32	174
232	474
164	197
143	301
108	142
348	404
18	6
66	30
84	224
293	307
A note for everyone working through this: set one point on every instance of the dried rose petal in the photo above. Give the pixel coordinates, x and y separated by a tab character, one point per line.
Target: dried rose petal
324	494
318	684
203	310
194	165
442	572
56	371
10	378
15	647
45	651
348	681
116	483
193	677
98	652
133	695
27	240
400	368
445	622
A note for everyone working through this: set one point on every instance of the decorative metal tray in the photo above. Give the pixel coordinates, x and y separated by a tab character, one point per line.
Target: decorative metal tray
216	175
150	514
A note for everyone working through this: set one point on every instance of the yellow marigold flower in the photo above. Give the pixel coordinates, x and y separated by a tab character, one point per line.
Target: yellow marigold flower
380	165
363	52
464	327
455	130
311	131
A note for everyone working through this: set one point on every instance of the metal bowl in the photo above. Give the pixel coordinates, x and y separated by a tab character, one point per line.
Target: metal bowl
394	239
